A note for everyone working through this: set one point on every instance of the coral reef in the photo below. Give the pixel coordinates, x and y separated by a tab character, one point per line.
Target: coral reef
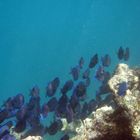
121	122
33	138
131	101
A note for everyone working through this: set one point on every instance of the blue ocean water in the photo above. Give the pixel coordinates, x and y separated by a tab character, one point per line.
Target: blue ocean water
40	40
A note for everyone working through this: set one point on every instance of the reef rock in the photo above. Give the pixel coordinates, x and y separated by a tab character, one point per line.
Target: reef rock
121	122
123	74
33	138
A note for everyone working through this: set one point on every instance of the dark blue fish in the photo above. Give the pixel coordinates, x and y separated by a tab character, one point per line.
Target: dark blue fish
65	137
35	91
69	113
56	83
75	73
54	127
80	90
4	135
34	103
20	126
77	111
52	87
104	89
34	119
21	113
86	73
52	104
7	125
122	88
84	111
3	115
107	76
126	54
12	113
63	100
75	105
45	110
74	101
100	73
94	60
106	60
81	62
8	137
37	109
8	104
18	101
13	104
49	90
92	105
5	128
62	104
120	53
33	113
67	86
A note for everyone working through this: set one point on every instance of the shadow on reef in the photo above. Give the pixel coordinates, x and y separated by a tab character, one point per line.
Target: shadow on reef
121	128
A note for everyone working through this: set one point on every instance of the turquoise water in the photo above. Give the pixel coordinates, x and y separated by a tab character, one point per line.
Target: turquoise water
43	39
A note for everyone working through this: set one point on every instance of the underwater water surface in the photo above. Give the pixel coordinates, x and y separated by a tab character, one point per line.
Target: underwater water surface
40	40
